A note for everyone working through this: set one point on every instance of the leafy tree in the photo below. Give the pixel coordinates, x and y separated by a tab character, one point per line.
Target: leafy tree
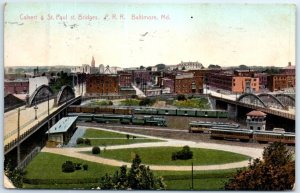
142	67
160	67
214	66
16	175
139	177
275	172
243	67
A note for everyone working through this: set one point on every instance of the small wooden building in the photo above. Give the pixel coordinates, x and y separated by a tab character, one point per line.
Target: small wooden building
63	130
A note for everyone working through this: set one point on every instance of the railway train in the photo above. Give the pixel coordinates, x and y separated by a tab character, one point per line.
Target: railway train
220	130
150	111
202	126
123	119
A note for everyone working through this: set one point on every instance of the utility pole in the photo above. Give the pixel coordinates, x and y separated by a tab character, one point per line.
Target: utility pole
192	176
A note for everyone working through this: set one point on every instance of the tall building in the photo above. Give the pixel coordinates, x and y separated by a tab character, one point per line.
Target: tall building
102	84
93	62
278	82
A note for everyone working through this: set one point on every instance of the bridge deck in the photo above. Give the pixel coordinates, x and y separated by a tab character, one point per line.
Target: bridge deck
27	119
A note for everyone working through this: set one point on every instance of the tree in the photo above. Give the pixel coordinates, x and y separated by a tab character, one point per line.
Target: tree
275	172
160	67
142	67
213	66
139	177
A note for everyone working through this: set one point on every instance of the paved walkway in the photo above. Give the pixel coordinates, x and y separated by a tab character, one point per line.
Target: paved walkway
76	153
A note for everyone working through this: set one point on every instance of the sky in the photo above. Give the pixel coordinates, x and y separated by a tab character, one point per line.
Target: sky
223	34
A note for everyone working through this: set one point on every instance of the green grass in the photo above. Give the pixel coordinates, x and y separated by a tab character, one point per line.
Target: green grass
130	102
108	142
94	133
199	184
162	156
201	103
47	166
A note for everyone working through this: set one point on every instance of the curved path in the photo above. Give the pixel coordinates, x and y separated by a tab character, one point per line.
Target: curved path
76	153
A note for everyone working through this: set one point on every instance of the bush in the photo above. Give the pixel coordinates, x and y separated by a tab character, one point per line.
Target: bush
77	166
85	167
87	141
184	154
181	97
96	150
79	140
127	136
68	167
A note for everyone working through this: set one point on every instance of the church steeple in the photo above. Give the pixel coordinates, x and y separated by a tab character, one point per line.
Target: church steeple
93	62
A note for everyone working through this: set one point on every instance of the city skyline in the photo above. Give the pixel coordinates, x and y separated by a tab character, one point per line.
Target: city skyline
132	35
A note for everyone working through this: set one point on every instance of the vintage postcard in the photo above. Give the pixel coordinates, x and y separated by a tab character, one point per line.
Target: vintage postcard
134	96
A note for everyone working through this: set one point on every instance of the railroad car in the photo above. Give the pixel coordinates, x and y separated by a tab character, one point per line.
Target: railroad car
271	136
243	135
167	111
149	111
202	126
87	110
86	117
123	111
186	112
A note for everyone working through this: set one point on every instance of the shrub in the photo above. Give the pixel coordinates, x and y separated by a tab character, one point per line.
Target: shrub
68	167
110	103
184	154
79	140
181	97
77	166
87	141
127	136
96	150
85	167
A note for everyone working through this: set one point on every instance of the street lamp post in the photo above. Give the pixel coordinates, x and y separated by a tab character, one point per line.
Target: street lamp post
35	109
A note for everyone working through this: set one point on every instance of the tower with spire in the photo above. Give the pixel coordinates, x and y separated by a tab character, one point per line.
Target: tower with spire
93	62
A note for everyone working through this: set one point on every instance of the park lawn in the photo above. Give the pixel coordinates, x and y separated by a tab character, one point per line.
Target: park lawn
199	184
48	166
162	156
109	142
175	180
95	133
121	139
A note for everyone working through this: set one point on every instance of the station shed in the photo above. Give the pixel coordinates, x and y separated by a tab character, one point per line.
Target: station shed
62	131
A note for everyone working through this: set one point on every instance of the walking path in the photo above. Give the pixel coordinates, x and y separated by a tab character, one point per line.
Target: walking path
76	153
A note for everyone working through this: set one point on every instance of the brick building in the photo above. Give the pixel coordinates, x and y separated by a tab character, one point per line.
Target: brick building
281	82
18	86
102	84
188	83
168	83
125	79
141	76
232	83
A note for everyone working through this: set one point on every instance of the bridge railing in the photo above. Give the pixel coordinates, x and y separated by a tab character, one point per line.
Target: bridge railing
29	157
30	131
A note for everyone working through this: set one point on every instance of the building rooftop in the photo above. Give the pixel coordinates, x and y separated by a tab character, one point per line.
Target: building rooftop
62	125
256	114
